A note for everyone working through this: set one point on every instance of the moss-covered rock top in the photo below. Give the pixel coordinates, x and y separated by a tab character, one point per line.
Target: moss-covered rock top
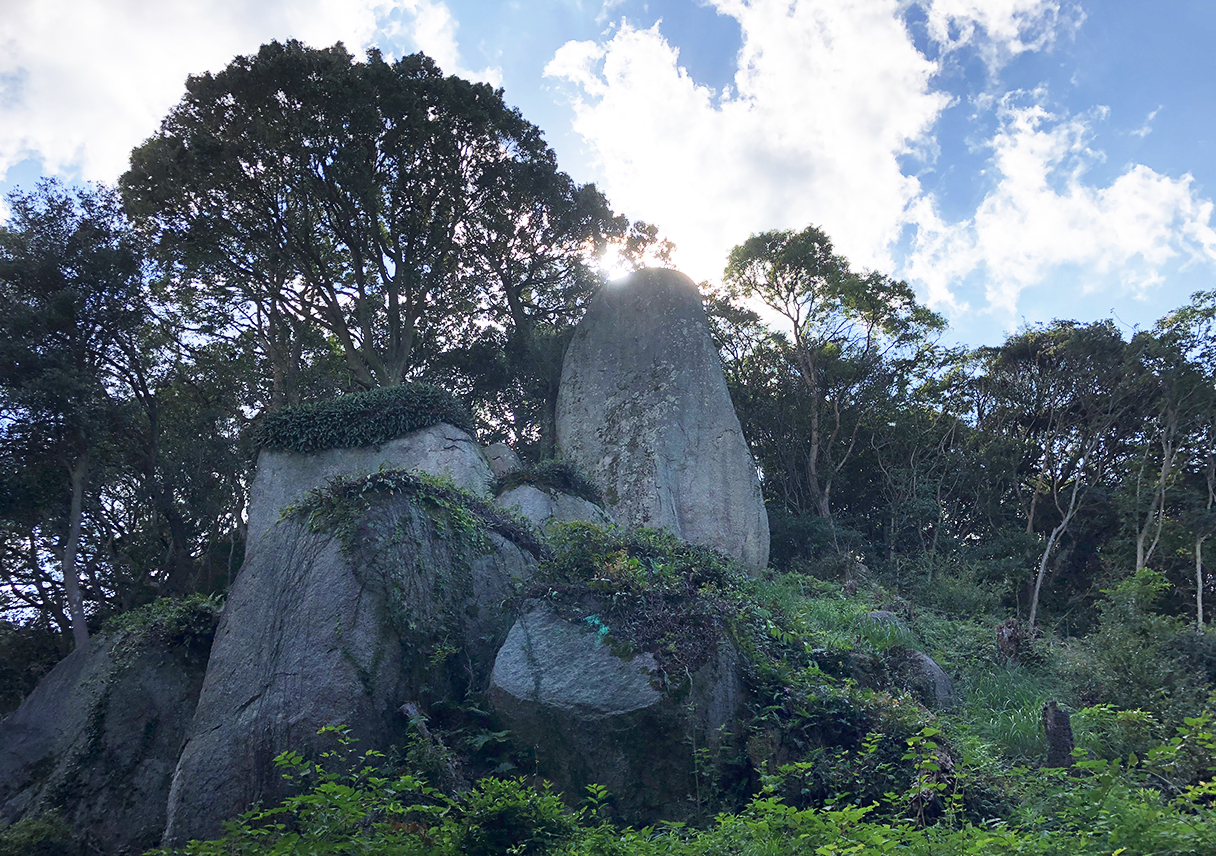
361	419
554	474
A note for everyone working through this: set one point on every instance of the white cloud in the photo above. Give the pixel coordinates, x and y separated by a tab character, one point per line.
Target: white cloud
832	105
999	29
1041	215
84	81
1147	128
827	98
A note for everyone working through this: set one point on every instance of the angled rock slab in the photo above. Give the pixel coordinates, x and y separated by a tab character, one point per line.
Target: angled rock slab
594	717
284	478
98	738
313	636
502	459
643	409
545	506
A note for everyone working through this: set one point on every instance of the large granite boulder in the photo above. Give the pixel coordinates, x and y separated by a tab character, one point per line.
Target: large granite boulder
285	477
98	738
643	409
544	506
598	715
346	616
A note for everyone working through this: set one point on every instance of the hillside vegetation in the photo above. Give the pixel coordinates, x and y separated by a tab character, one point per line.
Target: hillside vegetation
1037	516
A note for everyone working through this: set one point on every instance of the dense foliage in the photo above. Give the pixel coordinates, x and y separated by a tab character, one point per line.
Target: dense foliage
360	419
319	252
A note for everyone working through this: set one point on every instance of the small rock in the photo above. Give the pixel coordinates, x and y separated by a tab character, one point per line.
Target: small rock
502	459
595	717
1057	723
545	507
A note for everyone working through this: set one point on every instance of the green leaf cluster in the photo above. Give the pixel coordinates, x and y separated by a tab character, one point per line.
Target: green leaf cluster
170	620
361	419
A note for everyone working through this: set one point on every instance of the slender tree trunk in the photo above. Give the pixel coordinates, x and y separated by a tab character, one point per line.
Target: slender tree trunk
1156	509
71	579
1051	543
1199	581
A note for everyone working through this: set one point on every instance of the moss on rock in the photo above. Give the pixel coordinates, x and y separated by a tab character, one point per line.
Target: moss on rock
362	419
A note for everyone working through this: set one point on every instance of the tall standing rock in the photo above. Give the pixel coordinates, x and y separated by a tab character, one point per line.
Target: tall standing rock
644	410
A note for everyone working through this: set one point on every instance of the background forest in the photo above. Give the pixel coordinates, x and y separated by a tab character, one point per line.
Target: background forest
306	225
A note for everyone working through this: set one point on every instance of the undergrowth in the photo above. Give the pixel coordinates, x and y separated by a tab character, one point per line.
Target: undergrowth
1101	808
170	621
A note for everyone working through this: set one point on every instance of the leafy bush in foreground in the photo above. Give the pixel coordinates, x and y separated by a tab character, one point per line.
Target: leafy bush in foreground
1102	808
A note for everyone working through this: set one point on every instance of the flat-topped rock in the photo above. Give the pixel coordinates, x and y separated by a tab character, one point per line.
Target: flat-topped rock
285	477
644	411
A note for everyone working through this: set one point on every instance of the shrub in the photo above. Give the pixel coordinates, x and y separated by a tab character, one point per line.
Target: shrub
339	507
40	835
362	419
186	620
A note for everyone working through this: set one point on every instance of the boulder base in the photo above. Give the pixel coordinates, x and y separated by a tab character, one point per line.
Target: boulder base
596	717
98	739
643	409
316	633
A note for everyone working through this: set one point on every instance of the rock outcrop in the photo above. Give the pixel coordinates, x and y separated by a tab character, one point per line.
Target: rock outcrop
502	459
317	634
643	409
546	506
98	739
595	716
285	477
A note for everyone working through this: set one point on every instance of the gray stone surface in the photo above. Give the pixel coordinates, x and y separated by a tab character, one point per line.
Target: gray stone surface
594	717
545	506
312	637
550	662
286	477
929	681
643	409
98	739
502	459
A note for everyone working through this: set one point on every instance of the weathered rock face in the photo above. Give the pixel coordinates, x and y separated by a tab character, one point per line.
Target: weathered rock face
644	410
597	718
545	506
921	674
502	459
316	634
286	477
99	737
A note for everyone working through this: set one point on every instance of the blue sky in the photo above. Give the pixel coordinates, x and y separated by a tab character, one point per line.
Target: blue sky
1015	160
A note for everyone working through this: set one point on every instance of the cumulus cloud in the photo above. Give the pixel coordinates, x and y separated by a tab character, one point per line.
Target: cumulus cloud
832	111
84	81
827	98
1041	215
1000	29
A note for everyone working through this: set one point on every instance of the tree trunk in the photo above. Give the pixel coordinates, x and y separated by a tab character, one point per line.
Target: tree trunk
1051	543
1199	581
71	579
